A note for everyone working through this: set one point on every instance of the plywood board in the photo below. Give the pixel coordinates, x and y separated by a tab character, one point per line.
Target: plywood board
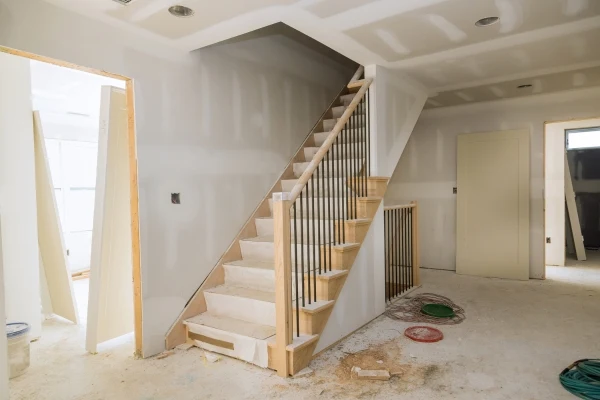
493	205
573	214
110	306
52	246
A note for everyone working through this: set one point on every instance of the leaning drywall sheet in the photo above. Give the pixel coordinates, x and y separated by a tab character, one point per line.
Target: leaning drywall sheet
50	238
573	214
110	306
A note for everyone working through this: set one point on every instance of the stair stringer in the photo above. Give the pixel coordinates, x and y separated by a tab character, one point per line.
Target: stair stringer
177	334
370	207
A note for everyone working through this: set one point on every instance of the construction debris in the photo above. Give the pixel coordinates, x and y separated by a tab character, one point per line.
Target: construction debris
377	375
211	357
165	354
185	346
305	373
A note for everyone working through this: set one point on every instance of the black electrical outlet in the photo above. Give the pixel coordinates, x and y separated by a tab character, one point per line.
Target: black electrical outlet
454	190
548	240
175	198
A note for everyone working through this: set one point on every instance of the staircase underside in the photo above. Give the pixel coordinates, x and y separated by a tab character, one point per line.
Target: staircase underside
233	312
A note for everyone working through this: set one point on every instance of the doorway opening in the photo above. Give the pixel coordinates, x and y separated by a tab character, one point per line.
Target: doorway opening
69	198
69	103
572	197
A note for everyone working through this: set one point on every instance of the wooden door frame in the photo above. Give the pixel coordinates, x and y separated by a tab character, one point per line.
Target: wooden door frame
133	178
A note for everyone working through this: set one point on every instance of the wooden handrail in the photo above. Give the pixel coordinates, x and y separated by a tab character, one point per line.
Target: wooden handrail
306	175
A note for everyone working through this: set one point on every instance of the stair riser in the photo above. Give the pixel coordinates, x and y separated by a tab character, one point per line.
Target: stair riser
346	99
264	226
242	308
245	348
313	323
338	111
265	251
323	228
253	278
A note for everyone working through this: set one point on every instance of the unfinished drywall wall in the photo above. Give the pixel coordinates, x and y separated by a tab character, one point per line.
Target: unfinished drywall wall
217	126
395	104
427	169
363	295
18	195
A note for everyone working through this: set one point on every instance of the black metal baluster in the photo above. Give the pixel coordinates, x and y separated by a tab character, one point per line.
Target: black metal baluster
301	250
306	243
314	241
336	164
410	219
407	241
314	194
344	174
329	215
296	270
388	252
364	147
368	135
322	194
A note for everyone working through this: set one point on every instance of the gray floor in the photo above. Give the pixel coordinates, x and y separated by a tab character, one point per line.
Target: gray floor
517	337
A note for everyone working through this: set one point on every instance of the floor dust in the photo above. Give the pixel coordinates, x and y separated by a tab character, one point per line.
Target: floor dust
516	339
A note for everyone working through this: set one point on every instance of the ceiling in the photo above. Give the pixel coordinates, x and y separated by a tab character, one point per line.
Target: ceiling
434	41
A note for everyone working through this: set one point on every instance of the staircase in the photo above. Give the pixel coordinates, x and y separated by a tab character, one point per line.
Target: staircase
268	299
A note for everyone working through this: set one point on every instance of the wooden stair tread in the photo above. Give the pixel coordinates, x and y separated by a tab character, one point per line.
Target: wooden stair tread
237	291
264	239
232	325
298	342
315	306
269	265
333	274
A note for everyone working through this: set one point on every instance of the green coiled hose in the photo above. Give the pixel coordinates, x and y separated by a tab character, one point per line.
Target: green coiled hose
582	379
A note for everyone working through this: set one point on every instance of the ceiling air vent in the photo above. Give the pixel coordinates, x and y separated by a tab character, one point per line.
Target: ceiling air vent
124	2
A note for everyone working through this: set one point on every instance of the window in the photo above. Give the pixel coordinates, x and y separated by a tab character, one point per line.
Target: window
586	138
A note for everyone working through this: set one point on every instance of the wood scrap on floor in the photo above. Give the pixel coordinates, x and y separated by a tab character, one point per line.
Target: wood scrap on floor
376	375
185	346
165	354
211	357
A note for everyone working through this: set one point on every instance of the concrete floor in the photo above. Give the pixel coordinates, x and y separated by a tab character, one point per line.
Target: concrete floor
516	339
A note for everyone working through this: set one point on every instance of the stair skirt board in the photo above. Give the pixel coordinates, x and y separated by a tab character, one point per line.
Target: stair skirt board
245	348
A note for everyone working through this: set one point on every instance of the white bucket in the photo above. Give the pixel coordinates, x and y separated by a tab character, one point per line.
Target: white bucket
18	348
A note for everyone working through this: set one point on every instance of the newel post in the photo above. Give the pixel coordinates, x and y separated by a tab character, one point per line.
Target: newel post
283	281
415	244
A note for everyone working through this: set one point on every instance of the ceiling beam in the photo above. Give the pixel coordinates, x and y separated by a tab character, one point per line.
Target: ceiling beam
520	75
537	35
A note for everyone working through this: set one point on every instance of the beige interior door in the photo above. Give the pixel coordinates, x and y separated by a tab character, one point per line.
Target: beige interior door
110	306
54	266
493	204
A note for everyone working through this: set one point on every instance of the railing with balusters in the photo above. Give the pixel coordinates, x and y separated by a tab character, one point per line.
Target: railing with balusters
310	220
401	249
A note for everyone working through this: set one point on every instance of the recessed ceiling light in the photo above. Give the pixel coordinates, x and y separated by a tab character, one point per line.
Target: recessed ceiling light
487	21
524	86
181	11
